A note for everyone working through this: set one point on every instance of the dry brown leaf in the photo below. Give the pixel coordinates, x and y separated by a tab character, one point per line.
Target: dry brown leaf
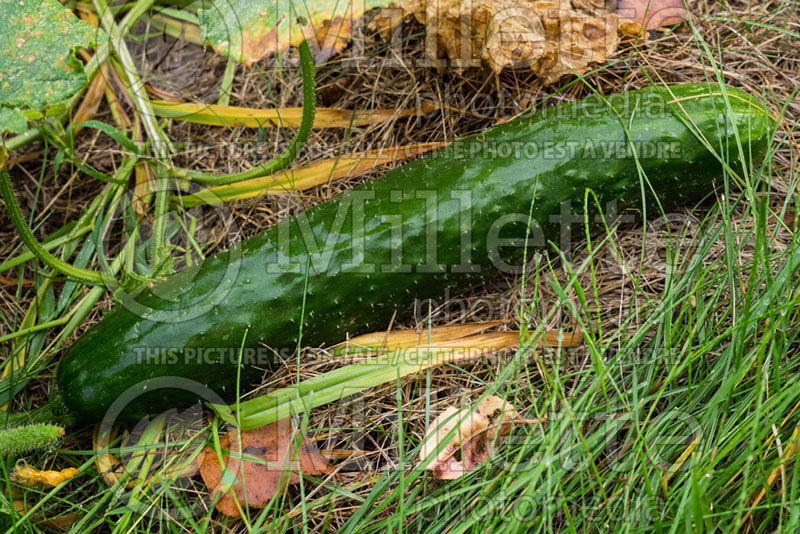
280	463
553	38
652	14
477	433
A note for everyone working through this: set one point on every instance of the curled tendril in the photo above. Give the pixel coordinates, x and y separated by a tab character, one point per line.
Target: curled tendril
288	155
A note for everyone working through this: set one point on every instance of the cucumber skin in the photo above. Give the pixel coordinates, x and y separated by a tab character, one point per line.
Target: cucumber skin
103	363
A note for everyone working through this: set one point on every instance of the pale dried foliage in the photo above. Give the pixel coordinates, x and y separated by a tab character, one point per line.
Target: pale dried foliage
460	440
552	39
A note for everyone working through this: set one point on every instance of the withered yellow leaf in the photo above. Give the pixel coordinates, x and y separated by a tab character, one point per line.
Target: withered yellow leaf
308	176
290	117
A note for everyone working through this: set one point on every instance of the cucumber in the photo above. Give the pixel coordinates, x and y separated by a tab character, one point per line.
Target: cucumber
436	226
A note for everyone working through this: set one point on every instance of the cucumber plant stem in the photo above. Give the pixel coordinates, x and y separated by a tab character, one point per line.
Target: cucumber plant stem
141	102
18	220
131	76
227	83
288	155
47	245
41	326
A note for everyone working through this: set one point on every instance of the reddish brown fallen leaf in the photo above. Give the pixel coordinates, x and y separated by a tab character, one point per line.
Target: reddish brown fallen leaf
652	14
279	463
478	433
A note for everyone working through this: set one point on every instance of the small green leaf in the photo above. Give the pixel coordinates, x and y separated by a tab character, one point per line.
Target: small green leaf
12	120
38	67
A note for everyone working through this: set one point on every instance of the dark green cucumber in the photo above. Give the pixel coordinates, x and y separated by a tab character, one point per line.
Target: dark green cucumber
456	206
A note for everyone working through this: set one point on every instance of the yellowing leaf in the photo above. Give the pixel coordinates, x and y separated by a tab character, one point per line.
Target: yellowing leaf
451	335
233	116
302	178
332	37
401	339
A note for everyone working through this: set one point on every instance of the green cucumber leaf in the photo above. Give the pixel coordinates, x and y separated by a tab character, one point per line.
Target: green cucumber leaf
13	120
38	67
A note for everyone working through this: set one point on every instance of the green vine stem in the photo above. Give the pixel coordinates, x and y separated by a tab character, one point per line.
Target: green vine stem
131	76
18	220
141	102
288	155
47	245
160	249
227	83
